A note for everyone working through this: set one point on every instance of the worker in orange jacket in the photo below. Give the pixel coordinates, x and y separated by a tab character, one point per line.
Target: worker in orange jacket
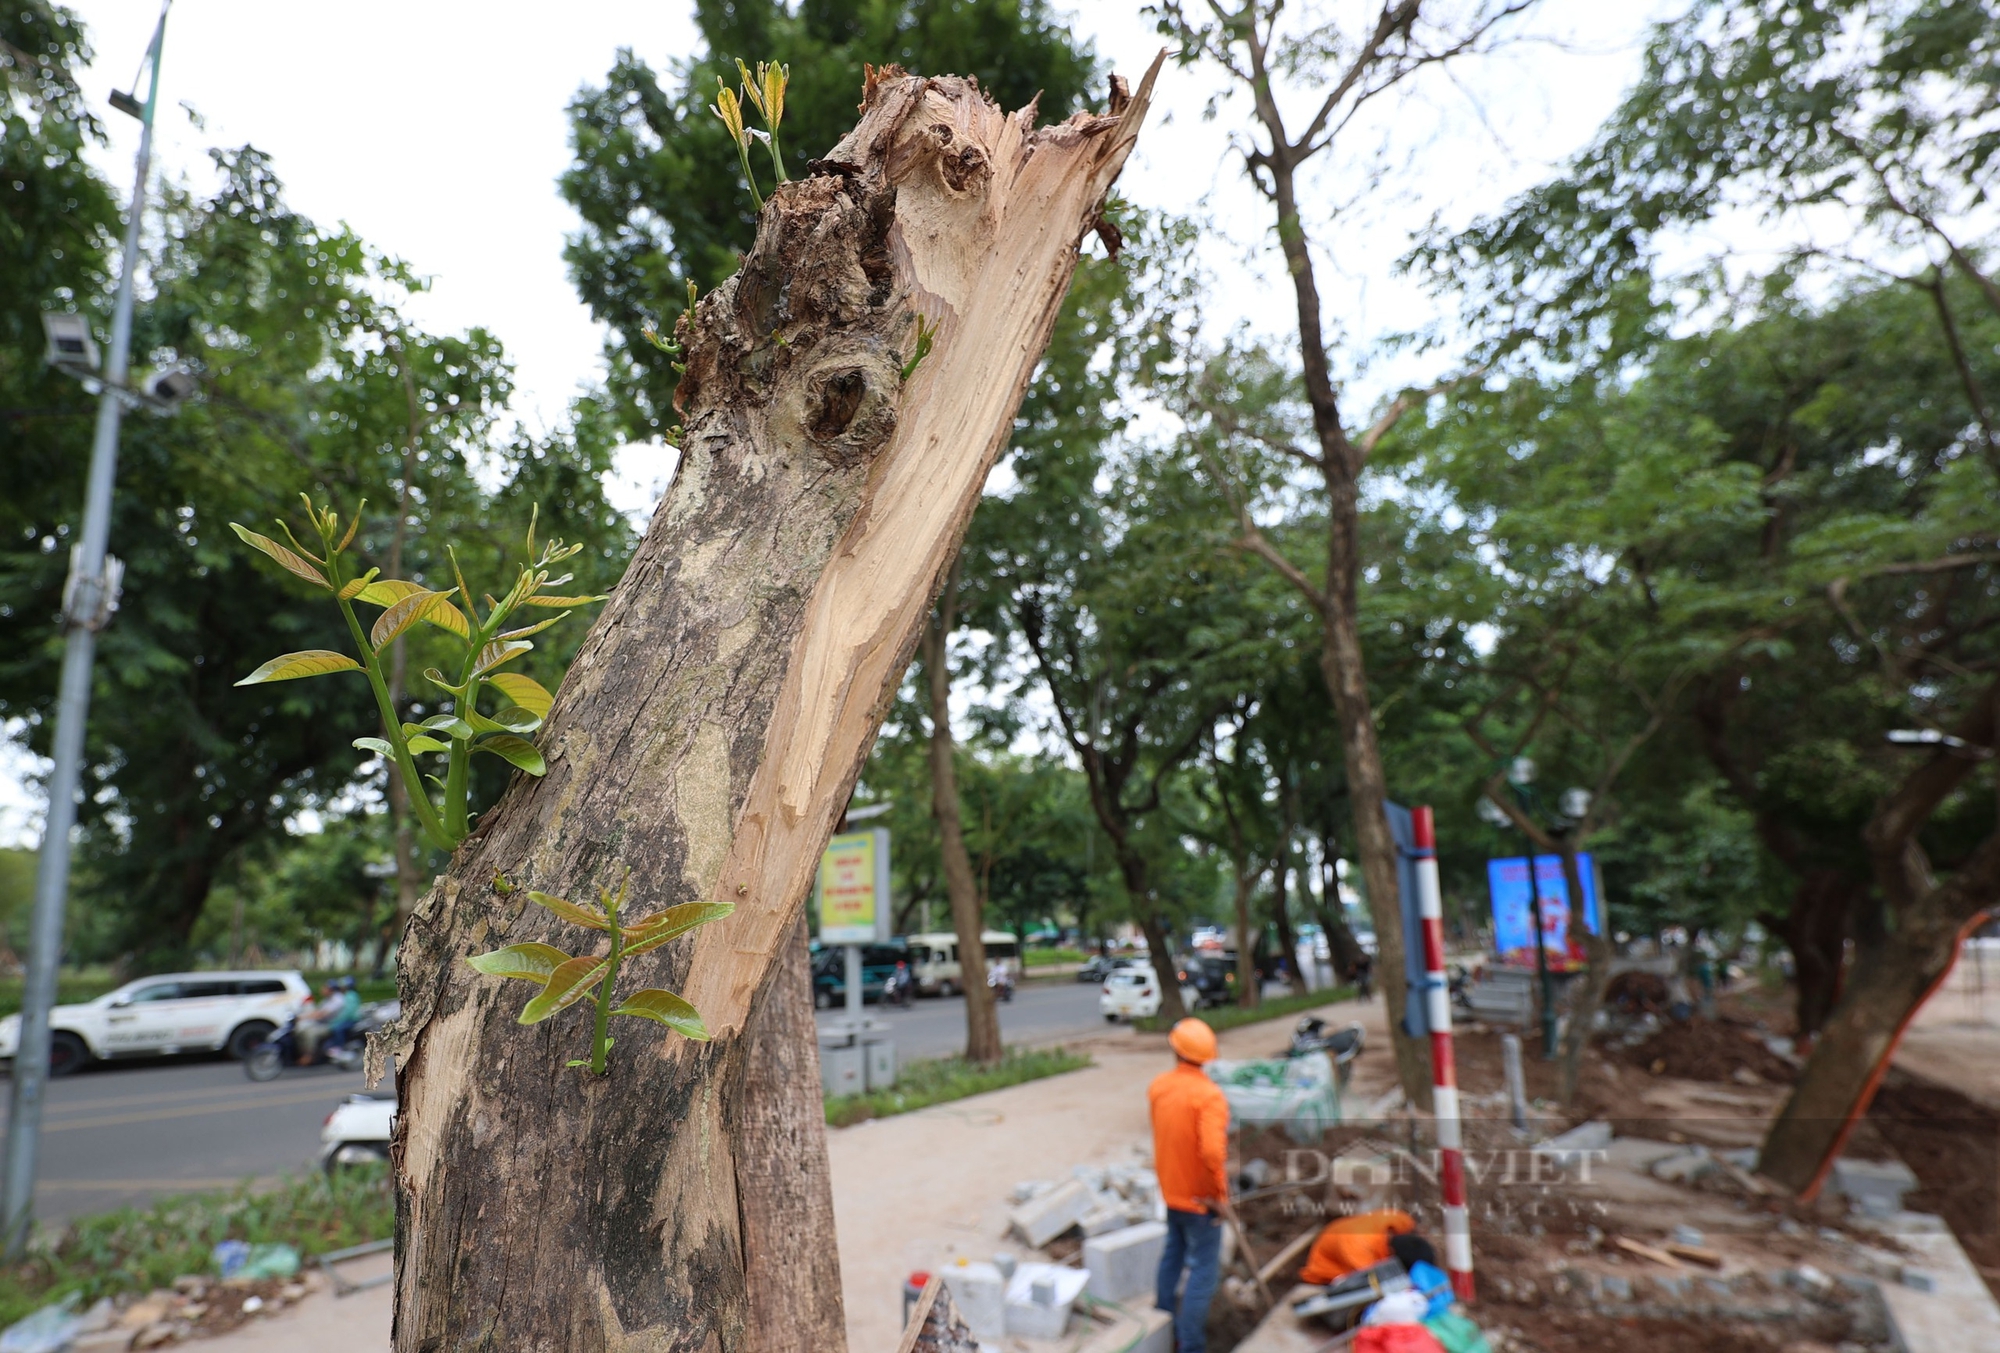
1190	1154
1350	1244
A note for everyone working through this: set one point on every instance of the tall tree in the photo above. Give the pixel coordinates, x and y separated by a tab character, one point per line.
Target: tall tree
1335	71
707	740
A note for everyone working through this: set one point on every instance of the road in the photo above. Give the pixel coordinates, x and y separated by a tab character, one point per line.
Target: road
123	1133
934	1026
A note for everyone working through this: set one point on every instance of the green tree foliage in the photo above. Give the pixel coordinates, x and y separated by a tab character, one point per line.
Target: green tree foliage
309	376
658	183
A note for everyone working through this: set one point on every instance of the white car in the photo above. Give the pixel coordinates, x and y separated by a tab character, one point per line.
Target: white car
174	1012
358	1130
1134	993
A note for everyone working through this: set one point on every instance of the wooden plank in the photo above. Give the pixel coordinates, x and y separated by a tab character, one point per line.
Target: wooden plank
1700	1254
1645	1251
1293	1249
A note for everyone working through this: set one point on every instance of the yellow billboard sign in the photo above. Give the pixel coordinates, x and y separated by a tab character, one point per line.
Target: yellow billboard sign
853	888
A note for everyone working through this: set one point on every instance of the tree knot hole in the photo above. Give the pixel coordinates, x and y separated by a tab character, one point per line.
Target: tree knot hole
839	399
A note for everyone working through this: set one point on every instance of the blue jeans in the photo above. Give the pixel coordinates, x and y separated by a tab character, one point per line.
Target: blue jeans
1194	1243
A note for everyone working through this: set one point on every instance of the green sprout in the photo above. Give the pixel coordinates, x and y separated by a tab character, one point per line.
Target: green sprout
488	645
566	980
926	335
764	91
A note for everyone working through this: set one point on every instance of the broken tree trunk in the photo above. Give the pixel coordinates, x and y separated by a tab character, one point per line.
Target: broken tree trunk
707	739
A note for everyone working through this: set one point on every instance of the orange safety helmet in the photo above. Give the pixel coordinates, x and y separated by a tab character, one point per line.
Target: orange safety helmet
1193	1040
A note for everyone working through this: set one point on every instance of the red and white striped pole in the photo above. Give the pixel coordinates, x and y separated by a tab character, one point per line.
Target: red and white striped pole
1444	1066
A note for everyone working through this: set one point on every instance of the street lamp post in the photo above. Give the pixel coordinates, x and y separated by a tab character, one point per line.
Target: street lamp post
88	599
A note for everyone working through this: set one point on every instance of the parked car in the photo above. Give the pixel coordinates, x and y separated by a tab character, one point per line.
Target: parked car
358	1129
830	972
229	1012
1097	969
1134	993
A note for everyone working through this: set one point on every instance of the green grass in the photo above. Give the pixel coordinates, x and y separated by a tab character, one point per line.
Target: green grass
139	1249
1048	958
1229	1016
922	1084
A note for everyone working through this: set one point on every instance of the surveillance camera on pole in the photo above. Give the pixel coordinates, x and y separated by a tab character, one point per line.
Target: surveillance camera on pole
71	348
168	388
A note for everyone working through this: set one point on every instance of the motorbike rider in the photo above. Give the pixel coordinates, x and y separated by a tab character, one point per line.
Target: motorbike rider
315	1022
345	1015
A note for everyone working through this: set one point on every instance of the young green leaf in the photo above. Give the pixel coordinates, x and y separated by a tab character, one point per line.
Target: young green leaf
567	985
354	587
570	911
524	691
401	616
665	1008
378	746
424	744
441	681
444	615
529	962
511	720
292	563
292	666
562	601
449	725
527	630
498	652
515	751
672	923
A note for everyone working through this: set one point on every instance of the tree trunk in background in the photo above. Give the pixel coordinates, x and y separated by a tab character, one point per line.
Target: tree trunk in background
1248	992
1281	915
1587	998
968	917
1815	929
1893	973
707	739
1159	949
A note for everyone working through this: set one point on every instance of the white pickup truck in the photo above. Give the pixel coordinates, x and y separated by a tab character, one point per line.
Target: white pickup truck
173	1012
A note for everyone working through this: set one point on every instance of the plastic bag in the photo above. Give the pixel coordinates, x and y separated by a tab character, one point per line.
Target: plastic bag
1457	1333
237	1259
48	1330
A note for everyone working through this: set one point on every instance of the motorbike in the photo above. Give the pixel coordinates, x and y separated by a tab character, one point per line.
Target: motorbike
899	987
1343	1045
268	1060
1001	983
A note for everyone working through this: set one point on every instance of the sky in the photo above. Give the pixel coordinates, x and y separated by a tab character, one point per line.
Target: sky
436	129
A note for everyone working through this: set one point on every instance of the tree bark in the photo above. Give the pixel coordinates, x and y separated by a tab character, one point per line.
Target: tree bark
711	729
1248	993
1815	929
782	1170
1281	914
968	917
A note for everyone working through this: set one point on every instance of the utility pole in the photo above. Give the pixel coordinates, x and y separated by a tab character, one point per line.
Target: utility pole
88	600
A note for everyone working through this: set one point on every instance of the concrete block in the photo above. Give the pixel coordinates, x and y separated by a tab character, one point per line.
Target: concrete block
1571	1146
1102	1220
1874	1186
880	1056
980	1294
1684	1167
840	1071
1042	1219
1125	1263
1039	1297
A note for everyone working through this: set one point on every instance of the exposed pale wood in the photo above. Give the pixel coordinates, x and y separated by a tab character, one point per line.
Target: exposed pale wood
920	1313
707	739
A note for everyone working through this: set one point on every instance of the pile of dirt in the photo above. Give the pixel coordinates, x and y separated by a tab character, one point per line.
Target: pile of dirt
1952	1144
1638	993
1711	1050
1547	1329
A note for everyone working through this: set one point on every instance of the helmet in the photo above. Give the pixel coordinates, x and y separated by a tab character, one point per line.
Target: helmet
1193	1040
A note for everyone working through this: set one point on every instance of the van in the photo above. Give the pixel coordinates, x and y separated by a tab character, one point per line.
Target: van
934	959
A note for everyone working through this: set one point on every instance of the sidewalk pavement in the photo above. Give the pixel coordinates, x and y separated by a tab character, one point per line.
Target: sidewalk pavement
914	1191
